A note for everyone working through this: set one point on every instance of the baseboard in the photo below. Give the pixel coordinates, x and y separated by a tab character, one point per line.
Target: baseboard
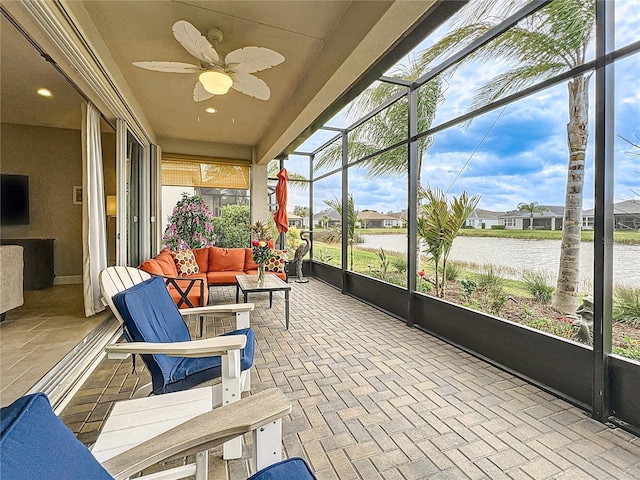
68	280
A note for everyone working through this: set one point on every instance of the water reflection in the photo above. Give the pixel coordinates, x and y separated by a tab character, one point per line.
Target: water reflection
516	257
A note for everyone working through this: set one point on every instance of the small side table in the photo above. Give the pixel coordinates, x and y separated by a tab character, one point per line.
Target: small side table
249	284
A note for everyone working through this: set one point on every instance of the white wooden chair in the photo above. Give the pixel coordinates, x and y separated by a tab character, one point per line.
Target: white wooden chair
234	380
35	443
116	279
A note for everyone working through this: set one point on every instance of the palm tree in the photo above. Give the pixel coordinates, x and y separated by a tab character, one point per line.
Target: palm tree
352	219
295	178
389	126
551	41
532	208
439	224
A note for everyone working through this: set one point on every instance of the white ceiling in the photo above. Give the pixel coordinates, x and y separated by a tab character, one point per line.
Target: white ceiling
22	72
328	46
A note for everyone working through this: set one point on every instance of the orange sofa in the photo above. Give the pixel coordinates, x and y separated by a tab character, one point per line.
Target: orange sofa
217	266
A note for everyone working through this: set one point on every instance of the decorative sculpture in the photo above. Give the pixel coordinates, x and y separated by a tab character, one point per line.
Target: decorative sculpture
583	325
301	251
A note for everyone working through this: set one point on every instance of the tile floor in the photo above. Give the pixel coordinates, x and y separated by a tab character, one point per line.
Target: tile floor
374	399
37	335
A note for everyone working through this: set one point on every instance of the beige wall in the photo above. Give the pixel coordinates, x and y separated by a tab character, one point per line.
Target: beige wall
52	159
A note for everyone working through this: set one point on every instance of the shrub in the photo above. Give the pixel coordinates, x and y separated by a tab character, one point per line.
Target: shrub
423	285
322	255
190	225
538	288
467	287
399	263
452	272
232	226
555	327
626	304
496	299
497	227
489	279
383	263
631	349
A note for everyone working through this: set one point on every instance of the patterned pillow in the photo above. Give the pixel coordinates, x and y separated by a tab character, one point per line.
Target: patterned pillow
276	263
185	262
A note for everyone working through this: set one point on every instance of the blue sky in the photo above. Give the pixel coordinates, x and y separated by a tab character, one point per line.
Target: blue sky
524	155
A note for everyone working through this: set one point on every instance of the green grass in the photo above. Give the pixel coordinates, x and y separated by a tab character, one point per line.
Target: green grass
362	259
626	237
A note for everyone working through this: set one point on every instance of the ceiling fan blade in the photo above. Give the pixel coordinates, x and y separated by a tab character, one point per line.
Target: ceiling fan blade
171	67
194	42
252	59
250	85
200	94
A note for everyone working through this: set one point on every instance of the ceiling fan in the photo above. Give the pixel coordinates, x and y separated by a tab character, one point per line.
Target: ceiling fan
216	76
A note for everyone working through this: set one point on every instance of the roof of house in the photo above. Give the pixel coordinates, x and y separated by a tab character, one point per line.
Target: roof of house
372	215
332	214
485	214
552	211
626	207
399	215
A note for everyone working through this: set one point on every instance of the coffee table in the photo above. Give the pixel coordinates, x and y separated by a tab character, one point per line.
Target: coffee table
249	284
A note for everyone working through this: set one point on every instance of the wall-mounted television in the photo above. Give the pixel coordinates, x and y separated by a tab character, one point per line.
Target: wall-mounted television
14	198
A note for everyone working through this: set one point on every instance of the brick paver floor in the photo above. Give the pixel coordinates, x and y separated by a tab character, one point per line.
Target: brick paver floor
374	399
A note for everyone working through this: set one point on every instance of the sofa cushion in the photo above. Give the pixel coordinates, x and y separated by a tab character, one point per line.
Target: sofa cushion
249	264
168	266
286	469
226	259
276	262
185	262
223	278
202	258
151	266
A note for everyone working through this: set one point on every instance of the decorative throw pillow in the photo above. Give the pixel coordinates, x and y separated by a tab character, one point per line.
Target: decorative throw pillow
276	263
185	262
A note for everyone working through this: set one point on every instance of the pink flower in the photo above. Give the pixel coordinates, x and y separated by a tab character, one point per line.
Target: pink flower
421	273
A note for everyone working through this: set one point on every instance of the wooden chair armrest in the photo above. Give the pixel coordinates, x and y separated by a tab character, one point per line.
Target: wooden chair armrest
194	349
218	309
203	432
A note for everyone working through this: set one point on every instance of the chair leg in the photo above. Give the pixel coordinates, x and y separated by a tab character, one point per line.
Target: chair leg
231	393
242	320
267	441
202	465
201	317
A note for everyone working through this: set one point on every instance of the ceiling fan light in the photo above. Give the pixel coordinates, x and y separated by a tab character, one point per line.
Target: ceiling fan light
216	82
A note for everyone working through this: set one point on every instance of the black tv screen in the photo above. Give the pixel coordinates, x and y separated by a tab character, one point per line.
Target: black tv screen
14	209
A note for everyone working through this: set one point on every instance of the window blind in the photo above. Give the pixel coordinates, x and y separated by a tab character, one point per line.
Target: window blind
201	172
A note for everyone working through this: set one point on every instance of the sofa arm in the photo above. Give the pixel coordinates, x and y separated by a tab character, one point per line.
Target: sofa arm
11	276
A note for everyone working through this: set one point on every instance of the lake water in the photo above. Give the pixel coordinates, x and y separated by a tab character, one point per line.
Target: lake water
515	256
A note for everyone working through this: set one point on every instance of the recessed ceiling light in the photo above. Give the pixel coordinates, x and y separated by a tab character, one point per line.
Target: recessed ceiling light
45	92
211	110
